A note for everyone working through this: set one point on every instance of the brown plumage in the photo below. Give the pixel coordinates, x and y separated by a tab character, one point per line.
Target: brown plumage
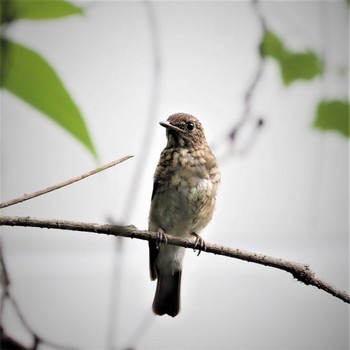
183	200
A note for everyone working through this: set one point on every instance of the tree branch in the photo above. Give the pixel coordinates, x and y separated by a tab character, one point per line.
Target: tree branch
299	271
26	197
7	342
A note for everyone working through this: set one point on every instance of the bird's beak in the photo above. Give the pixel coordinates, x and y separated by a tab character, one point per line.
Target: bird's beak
170	126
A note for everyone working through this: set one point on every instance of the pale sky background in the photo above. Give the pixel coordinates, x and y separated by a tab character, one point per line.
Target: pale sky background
287	197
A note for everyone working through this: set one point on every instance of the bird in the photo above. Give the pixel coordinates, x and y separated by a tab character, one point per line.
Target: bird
183	199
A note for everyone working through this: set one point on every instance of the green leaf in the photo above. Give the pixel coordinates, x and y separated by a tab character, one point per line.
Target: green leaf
27	75
333	115
37	9
293	65
300	66
271	46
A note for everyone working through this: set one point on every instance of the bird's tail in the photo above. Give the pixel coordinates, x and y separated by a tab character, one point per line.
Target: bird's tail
167	297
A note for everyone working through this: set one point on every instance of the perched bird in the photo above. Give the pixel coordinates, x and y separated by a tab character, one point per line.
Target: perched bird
183	199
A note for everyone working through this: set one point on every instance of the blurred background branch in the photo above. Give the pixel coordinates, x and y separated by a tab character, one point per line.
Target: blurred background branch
137	177
7	342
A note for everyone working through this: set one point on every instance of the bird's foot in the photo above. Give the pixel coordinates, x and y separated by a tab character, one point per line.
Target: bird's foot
199	242
161	237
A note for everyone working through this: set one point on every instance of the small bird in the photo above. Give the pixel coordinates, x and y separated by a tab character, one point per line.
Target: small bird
183	200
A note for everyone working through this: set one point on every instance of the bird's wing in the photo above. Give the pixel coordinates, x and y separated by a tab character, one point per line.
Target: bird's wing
153	249
155	187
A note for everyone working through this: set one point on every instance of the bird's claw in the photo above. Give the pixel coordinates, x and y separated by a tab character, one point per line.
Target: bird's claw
199	242
161	237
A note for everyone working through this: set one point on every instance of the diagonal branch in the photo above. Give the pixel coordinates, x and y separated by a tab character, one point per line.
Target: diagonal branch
26	197
299	271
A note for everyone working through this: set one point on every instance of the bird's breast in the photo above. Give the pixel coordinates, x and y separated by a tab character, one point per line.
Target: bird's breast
194	189
185	205
186	191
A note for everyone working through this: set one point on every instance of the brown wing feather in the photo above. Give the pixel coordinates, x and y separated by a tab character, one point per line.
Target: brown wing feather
153	250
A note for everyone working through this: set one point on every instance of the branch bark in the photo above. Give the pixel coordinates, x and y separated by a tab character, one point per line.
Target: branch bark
301	272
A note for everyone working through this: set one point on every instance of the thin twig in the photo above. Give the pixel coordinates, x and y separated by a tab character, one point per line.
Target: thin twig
251	91
153	107
26	197
299	271
249	94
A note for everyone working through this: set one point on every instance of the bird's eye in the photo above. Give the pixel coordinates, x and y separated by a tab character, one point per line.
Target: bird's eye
190	126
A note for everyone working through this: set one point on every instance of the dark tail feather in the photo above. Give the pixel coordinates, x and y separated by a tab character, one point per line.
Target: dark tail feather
167	297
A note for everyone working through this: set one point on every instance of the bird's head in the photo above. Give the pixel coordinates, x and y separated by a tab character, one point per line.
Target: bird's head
184	130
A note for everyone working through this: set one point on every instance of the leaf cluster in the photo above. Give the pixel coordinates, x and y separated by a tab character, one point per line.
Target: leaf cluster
27	75
293	65
331	115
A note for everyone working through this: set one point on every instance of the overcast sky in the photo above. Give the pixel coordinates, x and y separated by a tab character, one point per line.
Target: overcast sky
286	196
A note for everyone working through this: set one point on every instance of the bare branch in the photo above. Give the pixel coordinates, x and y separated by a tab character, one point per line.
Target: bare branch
247	115
26	197
299	271
7	342
251	91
